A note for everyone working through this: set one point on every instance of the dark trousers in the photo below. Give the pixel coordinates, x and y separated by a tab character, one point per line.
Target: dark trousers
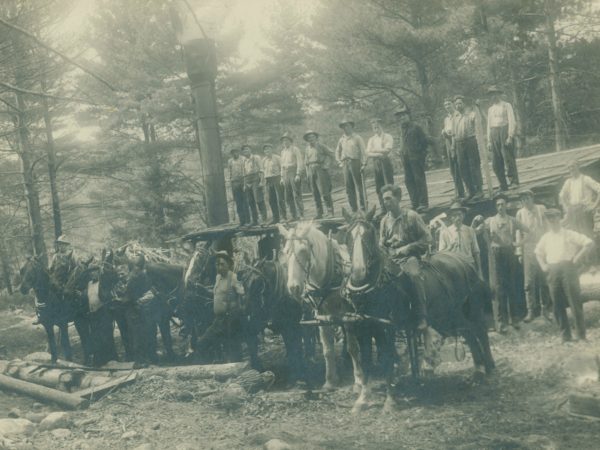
292	191
469	162
225	330
536	289
416	183
578	219
320	185
354	183
384	174
276	197
563	281
504	303
237	189
503	157
454	169
255	196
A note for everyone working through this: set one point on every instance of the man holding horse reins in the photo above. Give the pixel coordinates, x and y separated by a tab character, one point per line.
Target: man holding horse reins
405	238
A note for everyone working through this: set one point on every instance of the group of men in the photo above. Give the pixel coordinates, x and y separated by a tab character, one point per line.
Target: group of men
262	173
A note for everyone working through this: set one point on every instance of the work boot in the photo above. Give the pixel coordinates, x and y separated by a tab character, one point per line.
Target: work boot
529	317
422	325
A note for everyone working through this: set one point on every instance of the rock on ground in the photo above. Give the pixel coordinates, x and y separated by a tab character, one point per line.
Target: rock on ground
61	433
277	444
56	420
16	427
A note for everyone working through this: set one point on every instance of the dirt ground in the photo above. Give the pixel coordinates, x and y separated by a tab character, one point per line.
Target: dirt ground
522	406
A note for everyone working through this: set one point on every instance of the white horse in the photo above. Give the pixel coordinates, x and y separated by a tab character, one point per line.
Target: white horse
316	272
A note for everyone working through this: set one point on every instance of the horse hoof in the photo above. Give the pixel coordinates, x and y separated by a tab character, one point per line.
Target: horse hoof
329	386
478	378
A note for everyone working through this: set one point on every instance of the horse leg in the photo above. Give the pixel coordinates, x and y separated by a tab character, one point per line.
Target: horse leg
293	352
49	328
65	344
484	341
328	342
360	383
125	336
387	355
82	325
164	326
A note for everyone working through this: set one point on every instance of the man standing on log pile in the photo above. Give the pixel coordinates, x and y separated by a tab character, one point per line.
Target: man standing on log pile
292	166
379	148
253	174
464	144
501	128
317	162
500	231
272	168
459	189
536	290
228	306
413	151
579	196
352	158
236	178
559	253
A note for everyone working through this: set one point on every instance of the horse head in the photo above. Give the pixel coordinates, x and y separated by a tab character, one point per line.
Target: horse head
362	242
31	274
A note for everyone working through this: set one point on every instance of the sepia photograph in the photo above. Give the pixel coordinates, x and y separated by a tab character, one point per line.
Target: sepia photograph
300	224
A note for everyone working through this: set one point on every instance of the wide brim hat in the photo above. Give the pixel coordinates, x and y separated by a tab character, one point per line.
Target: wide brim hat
552	212
224	255
286	135
62	239
494	90
402	112
234	150
500	196
526	192
246	146
458	97
265	146
308	133
457	206
346	121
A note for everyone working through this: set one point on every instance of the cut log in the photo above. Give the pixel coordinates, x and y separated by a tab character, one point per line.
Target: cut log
219	372
45	394
62	379
581	404
95	392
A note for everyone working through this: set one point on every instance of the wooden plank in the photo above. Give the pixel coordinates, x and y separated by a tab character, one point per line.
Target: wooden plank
95	392
45	394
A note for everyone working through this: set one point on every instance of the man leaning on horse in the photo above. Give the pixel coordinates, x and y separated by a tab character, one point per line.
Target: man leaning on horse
405	238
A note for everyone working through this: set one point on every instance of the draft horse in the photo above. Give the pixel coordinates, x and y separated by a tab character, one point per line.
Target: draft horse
54	308
454	292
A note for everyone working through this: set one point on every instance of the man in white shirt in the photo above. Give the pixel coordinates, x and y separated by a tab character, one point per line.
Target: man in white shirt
536	291
451	151
379	147
236	178
351	156
559	252
501	128
292	166
460	238
579	196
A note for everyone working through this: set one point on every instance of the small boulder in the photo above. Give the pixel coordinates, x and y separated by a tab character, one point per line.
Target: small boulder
15	413
61	433
54	420
35	417
277	444
129	435
11	428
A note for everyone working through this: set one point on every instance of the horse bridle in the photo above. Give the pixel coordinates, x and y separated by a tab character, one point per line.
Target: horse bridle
367	287
306	269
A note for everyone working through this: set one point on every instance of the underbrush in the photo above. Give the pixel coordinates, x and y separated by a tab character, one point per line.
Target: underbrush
16	301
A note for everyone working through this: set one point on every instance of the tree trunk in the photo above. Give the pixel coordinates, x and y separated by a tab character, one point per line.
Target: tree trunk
29	183
51	153
5	266
559	123
520	116
423	79
155	182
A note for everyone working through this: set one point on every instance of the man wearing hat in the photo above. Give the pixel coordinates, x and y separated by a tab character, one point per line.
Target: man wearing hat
292	166
236	179
253	177
450	151
559	252
272	168
460	238
579	197
318	158
379	147
464	143
413	151
501	128
536	291
501	231
63	262
229	307
351	156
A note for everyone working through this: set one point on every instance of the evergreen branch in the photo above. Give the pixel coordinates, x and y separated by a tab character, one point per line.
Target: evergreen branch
10	87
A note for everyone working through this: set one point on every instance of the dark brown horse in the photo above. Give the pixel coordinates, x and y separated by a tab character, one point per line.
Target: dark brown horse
454	291
55	307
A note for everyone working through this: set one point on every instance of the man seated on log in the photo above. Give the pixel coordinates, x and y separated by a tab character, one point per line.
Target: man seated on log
405	238
227	326
559	252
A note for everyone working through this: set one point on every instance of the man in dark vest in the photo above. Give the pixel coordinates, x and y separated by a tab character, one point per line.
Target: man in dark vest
318	158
